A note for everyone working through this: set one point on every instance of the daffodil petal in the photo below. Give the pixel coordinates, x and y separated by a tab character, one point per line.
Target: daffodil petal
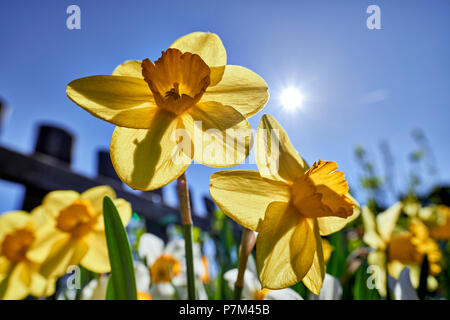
283	294
55	201
221	135
130	68
209	47
96	258
150	247
240	88
95	196
65	252
46	237
11	221
387	220
377	259
149	159
313	280
15	285
371	236
244	195
332	224
123	101
284	248
275	156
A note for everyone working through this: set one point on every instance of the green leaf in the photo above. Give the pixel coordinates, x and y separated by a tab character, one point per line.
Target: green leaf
122	279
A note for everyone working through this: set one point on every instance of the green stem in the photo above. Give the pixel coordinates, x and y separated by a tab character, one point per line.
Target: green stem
186	219
237	292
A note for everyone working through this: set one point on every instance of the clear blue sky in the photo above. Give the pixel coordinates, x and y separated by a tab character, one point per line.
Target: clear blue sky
362	86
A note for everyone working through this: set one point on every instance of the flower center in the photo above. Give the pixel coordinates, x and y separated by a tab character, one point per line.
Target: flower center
177	80
77	219
321	192
16	244
260	294
165	268
141	295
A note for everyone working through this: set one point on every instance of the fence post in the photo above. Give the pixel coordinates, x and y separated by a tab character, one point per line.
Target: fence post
53	145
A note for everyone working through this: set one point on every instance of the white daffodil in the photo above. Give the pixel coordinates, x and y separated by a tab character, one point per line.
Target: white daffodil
331	289
167	266
402	287
252	288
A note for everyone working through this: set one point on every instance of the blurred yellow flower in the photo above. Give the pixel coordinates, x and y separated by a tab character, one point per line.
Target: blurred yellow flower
186	105
289	205
378	235
77	233
23	248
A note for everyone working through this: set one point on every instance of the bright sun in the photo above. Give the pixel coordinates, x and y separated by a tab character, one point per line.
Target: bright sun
291	98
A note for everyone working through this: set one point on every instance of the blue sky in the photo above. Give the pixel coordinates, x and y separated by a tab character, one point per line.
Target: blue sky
362	86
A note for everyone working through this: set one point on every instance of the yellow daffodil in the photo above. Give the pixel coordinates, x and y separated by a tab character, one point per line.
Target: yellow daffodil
397	250
77	230
289	205
186	105
409	248
24	246
378	235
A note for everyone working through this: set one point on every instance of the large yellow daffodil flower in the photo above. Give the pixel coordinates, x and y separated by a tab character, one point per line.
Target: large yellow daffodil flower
77	232
23	248
289	205
186	105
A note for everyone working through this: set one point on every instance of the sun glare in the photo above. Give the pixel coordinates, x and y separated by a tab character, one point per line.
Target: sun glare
291	98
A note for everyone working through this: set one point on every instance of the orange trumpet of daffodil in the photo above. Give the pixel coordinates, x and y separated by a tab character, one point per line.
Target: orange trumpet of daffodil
24	246
187	105
77	232
290	206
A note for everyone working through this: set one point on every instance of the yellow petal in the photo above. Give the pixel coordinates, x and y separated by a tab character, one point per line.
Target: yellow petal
149	159
284	248
209	47
125	212
39	286
130	68
15	285
96	258
387	220
222	136
46	237
240	88
275	156
95	196
377	259
11	221
371	236
442	231
123	101
327	250
313	280
55	201
329	225
66	251
244	195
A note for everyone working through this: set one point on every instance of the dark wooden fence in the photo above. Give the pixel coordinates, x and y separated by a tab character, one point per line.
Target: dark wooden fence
49	168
